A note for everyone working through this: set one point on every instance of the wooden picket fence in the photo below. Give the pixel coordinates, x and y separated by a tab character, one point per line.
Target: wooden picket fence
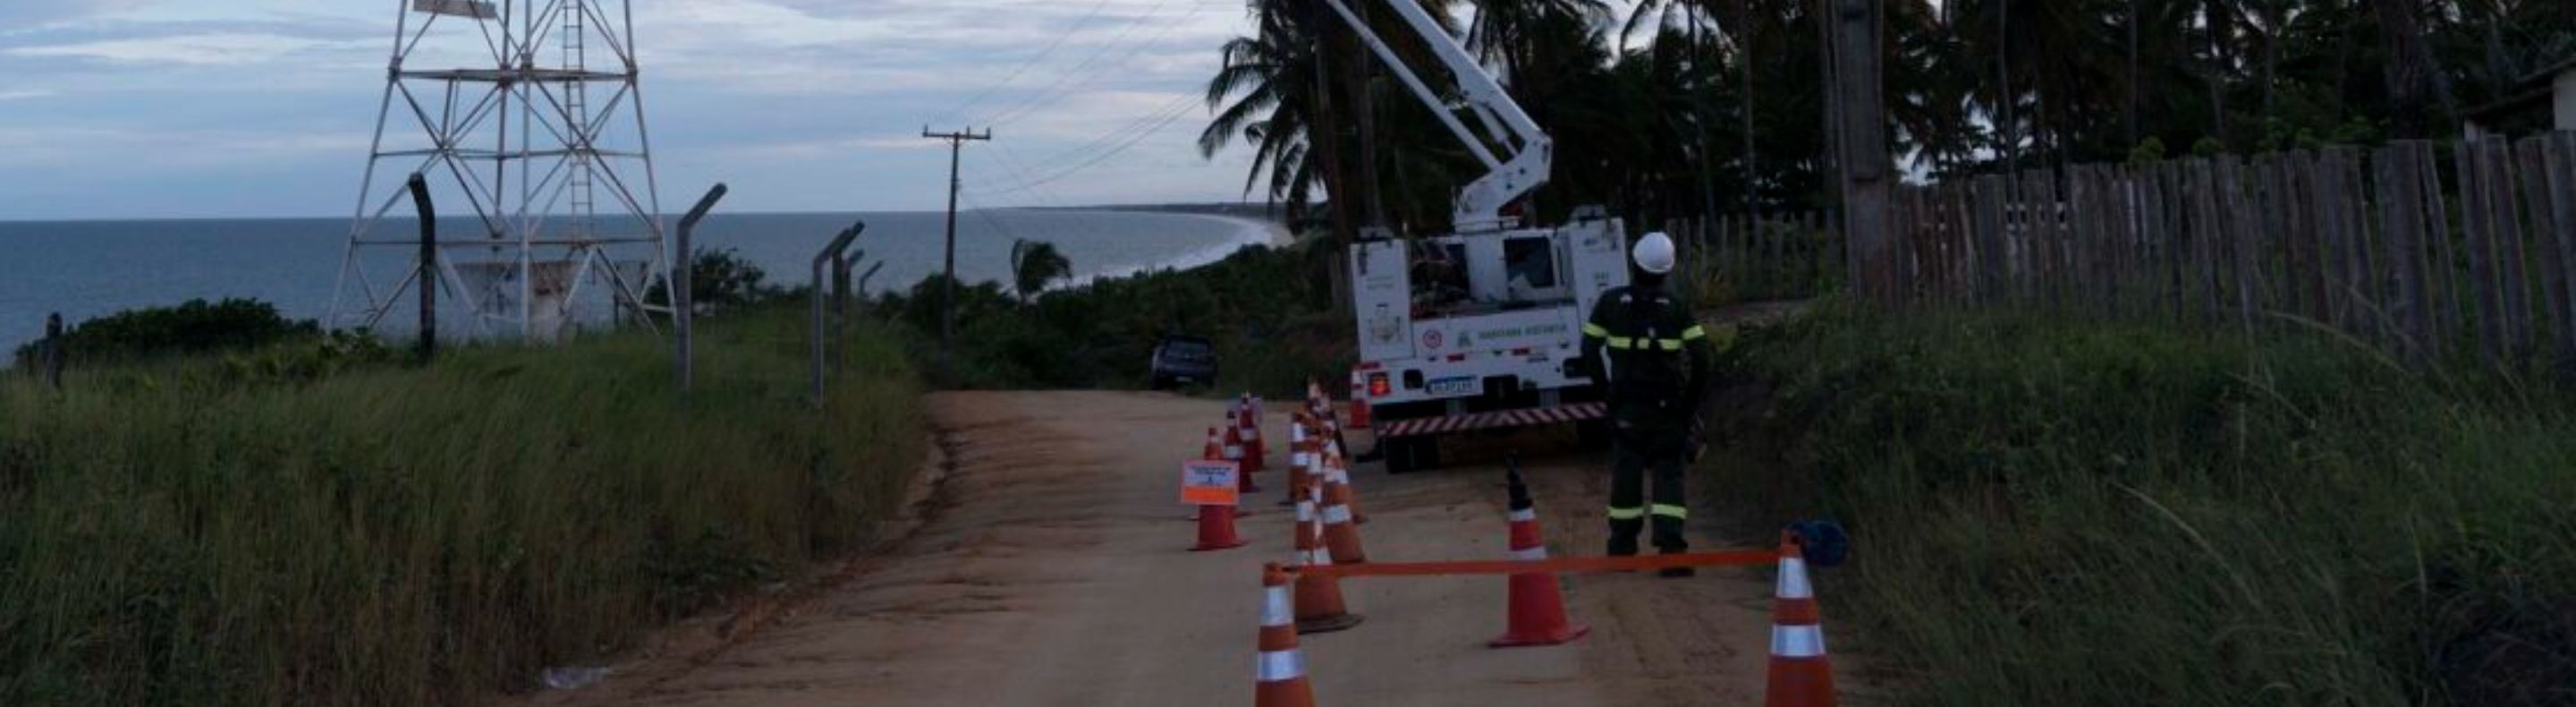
1791	255
2391	245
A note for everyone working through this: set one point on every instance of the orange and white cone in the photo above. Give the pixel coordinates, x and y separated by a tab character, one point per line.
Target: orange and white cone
1234	452
1341	534
1300	448
1216	523
1319	596
1801	675
1247	418
1537	603
1337	475
1279	673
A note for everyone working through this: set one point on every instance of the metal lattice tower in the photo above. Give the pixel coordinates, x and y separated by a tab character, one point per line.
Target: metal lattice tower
557	187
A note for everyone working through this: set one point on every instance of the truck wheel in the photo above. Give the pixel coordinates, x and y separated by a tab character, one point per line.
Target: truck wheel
1409	454
1592	434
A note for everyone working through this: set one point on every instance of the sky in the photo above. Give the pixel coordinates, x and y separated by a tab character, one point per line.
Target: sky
267	108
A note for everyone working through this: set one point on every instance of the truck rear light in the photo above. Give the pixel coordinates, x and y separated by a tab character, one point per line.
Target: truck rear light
1379	386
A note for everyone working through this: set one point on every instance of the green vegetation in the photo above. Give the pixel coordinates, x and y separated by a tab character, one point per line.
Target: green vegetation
1674	108
198	531
194	327
2069	512
1267	309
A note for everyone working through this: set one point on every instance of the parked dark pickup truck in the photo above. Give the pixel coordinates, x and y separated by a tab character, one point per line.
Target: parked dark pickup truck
1184	360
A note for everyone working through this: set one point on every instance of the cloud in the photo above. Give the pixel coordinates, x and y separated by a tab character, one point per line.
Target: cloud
29	15
210	49
26	94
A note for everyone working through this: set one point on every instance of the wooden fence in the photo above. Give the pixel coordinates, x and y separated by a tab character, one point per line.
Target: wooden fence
1774	256
2398	246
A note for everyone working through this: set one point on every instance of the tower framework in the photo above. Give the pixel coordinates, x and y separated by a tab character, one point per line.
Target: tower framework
533	137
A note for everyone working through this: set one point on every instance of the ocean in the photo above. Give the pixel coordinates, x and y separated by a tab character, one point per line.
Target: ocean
85	269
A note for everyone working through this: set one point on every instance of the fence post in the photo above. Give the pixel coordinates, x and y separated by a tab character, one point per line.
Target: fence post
428	280
815	296
684	285
53	358
2403	223
2558	158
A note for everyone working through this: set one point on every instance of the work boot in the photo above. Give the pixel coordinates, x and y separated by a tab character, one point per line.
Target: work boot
1675	572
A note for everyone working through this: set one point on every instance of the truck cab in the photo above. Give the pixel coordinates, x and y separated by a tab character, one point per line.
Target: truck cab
1480	330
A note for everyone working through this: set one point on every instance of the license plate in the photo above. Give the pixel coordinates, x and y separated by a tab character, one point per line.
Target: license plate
1450	387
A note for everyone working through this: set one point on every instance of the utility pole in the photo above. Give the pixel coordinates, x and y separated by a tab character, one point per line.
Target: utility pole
947	290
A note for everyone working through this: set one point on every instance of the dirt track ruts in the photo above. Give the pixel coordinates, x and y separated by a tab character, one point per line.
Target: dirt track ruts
1054	572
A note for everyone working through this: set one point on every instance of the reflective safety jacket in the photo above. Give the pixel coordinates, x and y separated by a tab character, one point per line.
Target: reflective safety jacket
1652	358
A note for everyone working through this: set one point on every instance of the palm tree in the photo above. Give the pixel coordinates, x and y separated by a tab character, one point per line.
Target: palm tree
1270	79
1034	264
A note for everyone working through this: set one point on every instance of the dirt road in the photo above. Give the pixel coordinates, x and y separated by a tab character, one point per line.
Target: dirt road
1052	571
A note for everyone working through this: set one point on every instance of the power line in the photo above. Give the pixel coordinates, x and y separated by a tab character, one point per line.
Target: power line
1049	100
1023	68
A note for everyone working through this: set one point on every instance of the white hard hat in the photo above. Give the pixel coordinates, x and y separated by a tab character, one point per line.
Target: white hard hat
1654	253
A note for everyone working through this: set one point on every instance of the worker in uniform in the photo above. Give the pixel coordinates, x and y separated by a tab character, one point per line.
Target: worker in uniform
1652	359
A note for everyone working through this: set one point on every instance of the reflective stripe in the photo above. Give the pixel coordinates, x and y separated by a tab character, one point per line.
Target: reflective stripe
1305	511
1695	332
1524	515
1669	344
1622	342
1793	579
1797	642
1276	666
1318	557
1617	513
1671	511
1298	459
1595	330
1535	553
1234	451
1337	514
1276	608
1339	476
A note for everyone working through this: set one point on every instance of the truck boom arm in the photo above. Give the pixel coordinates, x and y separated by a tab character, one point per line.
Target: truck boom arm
1525	164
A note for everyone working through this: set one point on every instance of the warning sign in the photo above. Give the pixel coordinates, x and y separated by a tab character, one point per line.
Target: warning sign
1209	483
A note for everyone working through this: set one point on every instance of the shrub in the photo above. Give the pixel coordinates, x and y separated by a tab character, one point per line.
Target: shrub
193	327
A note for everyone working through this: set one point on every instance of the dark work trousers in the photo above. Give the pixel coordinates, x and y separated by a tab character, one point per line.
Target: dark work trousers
1632	460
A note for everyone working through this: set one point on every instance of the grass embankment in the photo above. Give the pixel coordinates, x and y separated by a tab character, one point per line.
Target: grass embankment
203	531
1268	310
2056	512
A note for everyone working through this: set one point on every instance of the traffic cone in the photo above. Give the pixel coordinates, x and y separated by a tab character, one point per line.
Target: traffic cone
1216	523
1337	473
1300	447
1279	675
1247	418
1234	452
1319	597
1537	604
1341	535
1801	675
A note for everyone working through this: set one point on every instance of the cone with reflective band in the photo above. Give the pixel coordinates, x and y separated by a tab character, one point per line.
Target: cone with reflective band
1234	452
1537	603
1801	675
1300	446
1247	419
1319	597
1216	523
1337	474
1279	670
1341	531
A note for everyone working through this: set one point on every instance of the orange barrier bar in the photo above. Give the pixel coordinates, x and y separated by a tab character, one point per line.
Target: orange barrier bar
1731	558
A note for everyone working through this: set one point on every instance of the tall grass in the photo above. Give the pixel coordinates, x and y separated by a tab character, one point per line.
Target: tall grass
176	533
2069	512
